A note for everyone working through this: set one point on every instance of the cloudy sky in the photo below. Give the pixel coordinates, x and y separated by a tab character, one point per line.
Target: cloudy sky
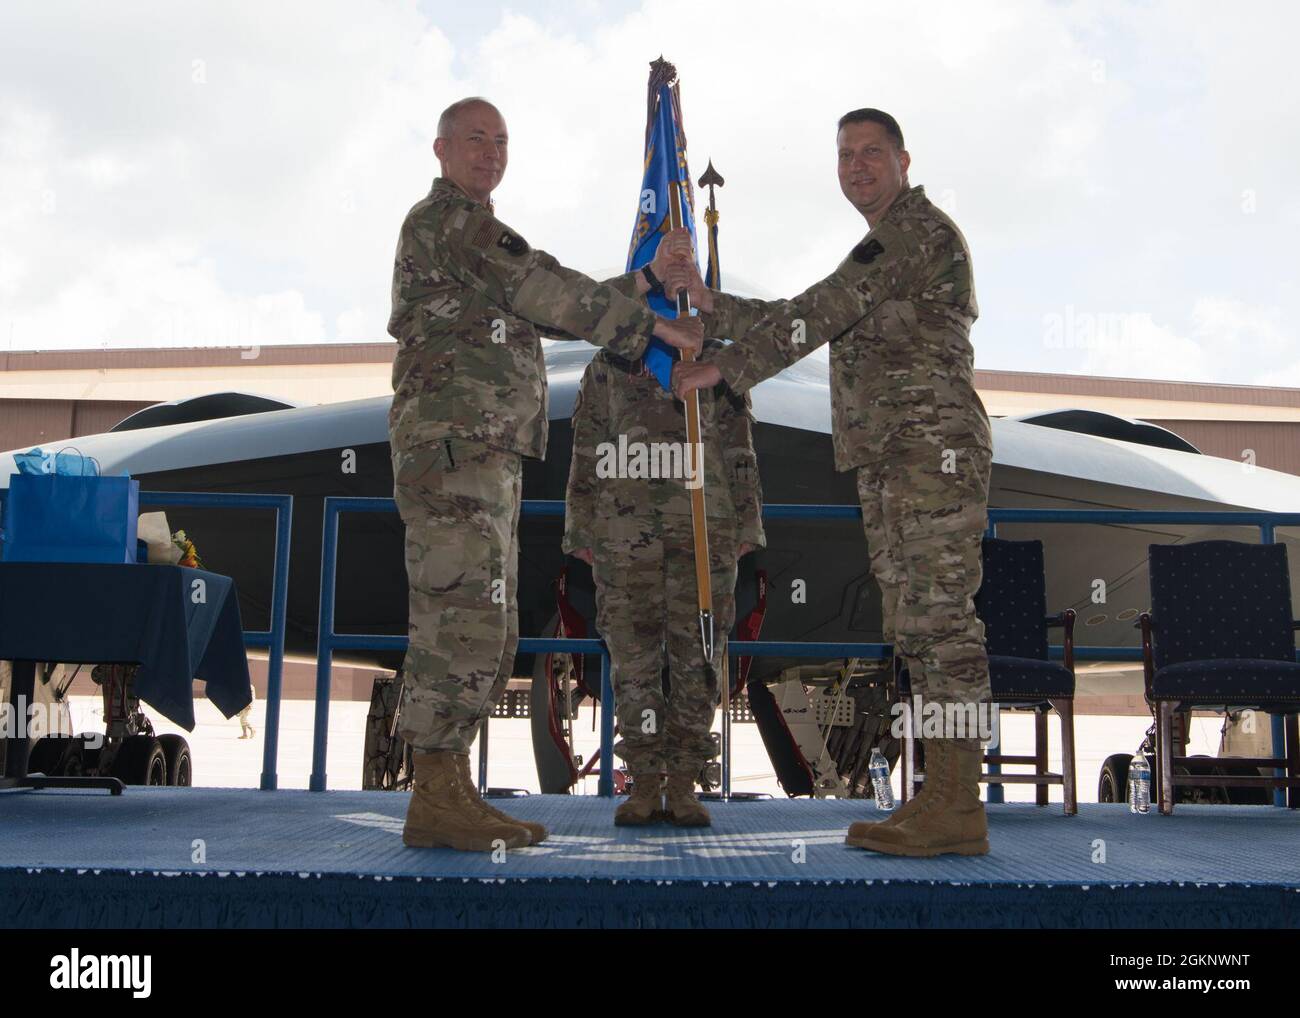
181	174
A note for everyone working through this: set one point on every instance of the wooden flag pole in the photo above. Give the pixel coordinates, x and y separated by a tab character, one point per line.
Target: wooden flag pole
699	521
711	178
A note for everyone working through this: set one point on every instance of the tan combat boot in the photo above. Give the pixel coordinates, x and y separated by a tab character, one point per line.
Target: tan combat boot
683	807
535	831
443	813
951	821
645	805
929	787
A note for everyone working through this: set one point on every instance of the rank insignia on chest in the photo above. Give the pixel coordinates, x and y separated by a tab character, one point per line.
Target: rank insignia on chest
865	253
513	243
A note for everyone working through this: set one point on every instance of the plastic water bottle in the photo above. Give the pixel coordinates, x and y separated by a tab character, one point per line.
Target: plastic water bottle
879	770
1139	785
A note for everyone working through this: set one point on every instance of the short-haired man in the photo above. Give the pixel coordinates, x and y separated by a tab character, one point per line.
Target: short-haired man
469	401
897	312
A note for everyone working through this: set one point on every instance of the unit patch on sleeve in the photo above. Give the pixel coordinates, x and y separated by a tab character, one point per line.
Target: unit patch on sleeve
513	243
865	253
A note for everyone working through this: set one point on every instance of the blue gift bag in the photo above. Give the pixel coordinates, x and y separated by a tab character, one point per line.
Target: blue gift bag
56	517
65	461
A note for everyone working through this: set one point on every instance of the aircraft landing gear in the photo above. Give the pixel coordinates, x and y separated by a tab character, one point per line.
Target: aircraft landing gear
387	760
1112	785
128	753
129	749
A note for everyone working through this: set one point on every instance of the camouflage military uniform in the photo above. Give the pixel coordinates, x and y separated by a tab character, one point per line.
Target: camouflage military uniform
906	416
623	503
469	401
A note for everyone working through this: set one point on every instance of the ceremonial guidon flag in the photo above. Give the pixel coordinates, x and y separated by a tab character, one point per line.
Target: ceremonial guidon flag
665	162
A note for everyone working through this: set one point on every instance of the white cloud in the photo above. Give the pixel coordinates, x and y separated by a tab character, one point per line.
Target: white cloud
1224	333
1133	345
231	177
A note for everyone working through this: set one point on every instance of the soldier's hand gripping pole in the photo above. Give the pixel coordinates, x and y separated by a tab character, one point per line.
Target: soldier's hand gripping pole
699	521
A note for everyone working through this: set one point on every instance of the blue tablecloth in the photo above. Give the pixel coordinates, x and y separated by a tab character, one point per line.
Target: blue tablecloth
175	628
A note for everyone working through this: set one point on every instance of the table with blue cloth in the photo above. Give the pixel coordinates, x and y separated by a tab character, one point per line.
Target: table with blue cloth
176	624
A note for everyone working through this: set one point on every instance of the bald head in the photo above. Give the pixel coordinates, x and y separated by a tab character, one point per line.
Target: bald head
447	122
471	146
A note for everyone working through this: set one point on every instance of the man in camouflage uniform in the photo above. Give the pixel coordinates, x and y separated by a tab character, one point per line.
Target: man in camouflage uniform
469	401
897	312
628	515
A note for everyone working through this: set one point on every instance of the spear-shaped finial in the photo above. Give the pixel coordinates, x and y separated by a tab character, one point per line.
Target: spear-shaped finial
711	177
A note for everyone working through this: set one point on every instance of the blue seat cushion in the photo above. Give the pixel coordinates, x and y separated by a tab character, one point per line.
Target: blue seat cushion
1023	678
1236	681
1015	679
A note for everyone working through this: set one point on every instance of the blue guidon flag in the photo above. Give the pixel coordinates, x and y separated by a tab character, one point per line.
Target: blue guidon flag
665	162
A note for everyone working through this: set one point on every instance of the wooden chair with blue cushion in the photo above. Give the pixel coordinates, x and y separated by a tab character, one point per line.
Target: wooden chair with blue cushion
1220	634
1012	603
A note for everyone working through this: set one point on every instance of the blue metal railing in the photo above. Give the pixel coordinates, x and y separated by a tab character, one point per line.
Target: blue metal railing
271	639
328	641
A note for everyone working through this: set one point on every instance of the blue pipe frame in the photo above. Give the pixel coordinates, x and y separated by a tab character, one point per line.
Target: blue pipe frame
328	641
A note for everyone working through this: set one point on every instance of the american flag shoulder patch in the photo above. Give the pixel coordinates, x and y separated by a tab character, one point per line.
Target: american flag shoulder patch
485	234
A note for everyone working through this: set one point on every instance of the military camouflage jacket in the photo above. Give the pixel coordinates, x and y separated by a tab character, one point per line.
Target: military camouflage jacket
897	313
629	438
468	298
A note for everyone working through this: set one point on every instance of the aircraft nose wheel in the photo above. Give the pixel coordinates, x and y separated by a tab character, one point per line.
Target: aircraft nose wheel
55	755
1112	786
141	760
179	761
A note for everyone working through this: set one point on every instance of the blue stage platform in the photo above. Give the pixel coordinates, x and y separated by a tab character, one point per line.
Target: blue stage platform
75	859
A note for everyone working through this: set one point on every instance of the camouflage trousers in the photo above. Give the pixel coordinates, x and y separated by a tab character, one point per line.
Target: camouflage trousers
648	613
460	503
924	525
